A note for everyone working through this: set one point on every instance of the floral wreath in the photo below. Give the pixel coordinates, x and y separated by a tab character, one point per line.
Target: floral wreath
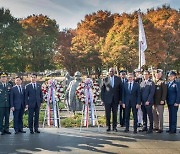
80	91
57	85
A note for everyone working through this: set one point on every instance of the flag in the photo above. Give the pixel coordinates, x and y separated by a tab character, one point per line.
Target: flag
142	42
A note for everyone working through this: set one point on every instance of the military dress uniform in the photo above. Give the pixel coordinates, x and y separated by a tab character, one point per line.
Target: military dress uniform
173	96
5	89
158	108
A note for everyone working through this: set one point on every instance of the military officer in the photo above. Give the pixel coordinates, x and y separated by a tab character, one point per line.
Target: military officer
5	89
159	101
173	101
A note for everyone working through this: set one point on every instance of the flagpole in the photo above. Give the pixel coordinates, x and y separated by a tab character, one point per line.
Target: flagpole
142	41
139	46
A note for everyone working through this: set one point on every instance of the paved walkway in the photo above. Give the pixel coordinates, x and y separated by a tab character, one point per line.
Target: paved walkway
71	140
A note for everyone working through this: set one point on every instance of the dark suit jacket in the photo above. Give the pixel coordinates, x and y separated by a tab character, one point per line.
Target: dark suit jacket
17	99
126	80
160	92
147	91
131	98
173	94
33	96
108	93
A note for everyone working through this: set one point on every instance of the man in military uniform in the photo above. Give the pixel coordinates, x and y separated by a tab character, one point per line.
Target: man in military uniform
173	101
4	104
159	101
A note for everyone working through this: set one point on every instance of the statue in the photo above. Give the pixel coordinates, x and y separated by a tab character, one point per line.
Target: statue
73	102
67	80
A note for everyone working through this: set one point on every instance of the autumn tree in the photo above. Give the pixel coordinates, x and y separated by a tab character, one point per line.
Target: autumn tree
87	42
64	56
10	32
41	33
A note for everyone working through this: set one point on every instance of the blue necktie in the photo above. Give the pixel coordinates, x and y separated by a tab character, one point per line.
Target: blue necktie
130	86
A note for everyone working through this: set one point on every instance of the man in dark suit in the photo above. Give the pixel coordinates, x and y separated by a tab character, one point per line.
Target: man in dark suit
33	99
121	109
138	79
173	101
159	101
147	96
5	89
17	99
111	96
131	100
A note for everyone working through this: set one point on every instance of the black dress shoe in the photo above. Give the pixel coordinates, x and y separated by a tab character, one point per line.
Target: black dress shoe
159	131
135	131
167	131
126	130
31	132
22	131
37	131
149	132
108	130
7	132
115	129
155	129
16	132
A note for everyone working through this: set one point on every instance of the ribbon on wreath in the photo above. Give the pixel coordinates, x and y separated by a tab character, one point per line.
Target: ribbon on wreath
88	103
51	98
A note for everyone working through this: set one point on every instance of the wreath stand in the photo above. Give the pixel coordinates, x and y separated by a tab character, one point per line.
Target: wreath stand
46	116
88	116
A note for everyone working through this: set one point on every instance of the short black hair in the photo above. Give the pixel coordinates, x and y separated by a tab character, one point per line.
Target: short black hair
34	74
18	77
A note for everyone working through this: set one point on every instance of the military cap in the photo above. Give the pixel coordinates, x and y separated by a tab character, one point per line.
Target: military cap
137	70
172	73
123	71
4	74
77	74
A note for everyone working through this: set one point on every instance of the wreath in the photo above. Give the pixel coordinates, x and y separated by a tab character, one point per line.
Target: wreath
80	91
58	90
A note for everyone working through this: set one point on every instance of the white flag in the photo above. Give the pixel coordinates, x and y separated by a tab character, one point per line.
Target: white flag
142	42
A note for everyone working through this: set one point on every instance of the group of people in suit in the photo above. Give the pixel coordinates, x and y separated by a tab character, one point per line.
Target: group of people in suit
147	93
130	92
18	99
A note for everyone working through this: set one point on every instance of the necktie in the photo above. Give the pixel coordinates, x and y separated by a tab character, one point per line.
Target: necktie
20	90
130	86
112	82
4	85
34	85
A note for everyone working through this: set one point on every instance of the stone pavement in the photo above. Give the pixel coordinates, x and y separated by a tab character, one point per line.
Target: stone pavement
71	140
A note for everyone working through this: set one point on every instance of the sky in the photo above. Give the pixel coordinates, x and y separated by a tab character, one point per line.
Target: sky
68	13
